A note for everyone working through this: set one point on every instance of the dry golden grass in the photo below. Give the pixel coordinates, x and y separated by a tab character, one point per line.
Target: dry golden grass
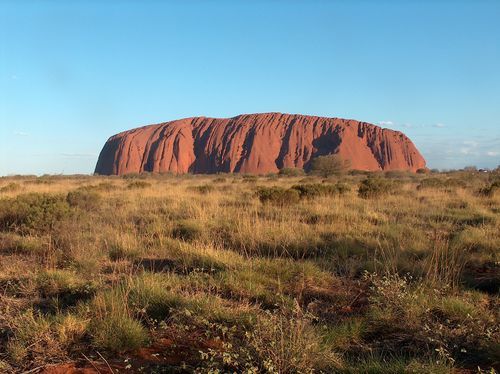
404	280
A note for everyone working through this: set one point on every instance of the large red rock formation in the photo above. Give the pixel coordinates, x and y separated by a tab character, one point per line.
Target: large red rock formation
255	143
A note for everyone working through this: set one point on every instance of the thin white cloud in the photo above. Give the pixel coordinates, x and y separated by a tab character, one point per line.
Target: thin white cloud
21	133
439	125
386	123
455	152
13	77
470	148
471	143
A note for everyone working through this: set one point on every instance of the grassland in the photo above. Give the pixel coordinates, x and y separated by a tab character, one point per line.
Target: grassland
271	274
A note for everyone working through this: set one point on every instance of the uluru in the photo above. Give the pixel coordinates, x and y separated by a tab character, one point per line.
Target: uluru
256	144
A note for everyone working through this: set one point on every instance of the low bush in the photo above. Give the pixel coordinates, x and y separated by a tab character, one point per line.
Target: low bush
291	344
359	172
278	196
423	171
113	326
11	187
117	252
187	230
138	185
118	333
203	189
396	174
454	326
64	286
39	337
380	364
312	190
329	165
455	309
440	183
249	178
491	189
374	187
102	187
430	183
291	172
131	176
44	179
23	245
219	180
84	199
149	297
33	212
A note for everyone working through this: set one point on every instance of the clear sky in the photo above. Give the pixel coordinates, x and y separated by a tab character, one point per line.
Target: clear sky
73	73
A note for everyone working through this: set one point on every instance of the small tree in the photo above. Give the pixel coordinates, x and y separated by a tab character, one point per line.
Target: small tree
329	165
423	171
291	172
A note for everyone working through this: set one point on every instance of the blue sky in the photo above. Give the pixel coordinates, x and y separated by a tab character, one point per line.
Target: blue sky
74	73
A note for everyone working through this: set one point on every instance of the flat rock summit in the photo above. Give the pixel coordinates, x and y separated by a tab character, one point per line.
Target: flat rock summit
255	143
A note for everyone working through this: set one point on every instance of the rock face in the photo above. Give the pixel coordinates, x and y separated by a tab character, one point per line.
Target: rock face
255	143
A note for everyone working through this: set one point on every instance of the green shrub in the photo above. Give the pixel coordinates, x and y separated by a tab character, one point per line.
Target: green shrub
360	172
149	294
278	196
430	183
434	182
395	365
249	178
291	172
491	189
374	187
131	176
456	309
329	165
39	337
454	182
117	252
44	179
11	187
423	171
346	335
66	286
118	333
112	326
33	212
313	190
291	344
103	186
187	230
203	189
25	245
396	174
84	198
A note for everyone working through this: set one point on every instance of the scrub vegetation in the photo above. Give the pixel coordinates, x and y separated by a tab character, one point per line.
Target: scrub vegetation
289	273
